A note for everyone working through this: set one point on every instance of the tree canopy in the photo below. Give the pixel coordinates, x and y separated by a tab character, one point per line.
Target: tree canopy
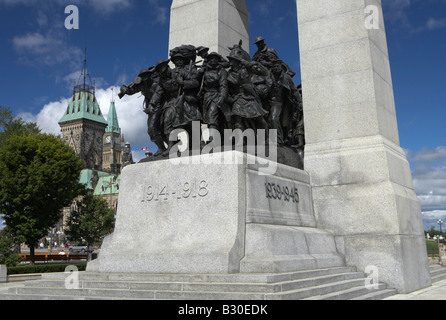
10	126
91	220
8	255
39	176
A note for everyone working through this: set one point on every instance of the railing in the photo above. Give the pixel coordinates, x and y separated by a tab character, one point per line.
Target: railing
84	88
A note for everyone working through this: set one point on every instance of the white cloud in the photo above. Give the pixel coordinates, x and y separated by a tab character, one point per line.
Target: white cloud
430	219
109	6
47	43
161	12
47	49
434	24
397	12
264	6
11	2
100	6
132	119
34	42
429	177
47	119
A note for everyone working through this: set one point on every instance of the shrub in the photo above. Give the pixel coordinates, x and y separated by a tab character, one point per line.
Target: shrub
432	247
44	268
7	254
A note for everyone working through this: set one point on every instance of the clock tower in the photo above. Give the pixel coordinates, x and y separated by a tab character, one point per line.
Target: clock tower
112	152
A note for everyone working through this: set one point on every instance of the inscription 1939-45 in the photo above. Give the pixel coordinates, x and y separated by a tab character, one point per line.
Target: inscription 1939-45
283	193
179	191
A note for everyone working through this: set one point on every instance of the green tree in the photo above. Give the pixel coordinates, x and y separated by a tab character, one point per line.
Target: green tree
8	254
91	220
5	117
10	126
39	176
432	232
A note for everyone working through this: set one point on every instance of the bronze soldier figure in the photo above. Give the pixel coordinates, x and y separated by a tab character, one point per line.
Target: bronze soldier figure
267	56
247	110
238	93
146	83
186	75
297	132
283	101
164	100
214	89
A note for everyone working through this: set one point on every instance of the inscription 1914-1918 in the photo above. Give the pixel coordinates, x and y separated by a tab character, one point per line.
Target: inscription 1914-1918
277	192
181	191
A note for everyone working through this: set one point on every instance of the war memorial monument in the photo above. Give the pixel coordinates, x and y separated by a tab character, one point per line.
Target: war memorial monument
330	189
354	203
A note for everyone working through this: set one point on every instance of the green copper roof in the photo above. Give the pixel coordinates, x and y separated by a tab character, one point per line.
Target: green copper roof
87	174
107	185
85	178
112	120
83	105
106	182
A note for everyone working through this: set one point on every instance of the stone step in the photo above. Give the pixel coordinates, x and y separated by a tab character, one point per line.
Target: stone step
333	283
438	272
201	286
355	293
220	278
377	295
319	290
48	293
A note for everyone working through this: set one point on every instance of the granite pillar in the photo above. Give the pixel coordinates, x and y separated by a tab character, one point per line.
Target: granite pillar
361	180
217	24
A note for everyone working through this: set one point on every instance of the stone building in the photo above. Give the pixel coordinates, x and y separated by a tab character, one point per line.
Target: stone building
112	144
98	142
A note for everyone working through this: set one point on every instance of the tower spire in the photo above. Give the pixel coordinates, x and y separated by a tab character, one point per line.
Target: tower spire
85	65
82	84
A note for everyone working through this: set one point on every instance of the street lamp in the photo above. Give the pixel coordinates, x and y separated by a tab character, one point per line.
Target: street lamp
440	222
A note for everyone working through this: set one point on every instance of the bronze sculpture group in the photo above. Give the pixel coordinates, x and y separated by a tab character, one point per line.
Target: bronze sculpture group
233	93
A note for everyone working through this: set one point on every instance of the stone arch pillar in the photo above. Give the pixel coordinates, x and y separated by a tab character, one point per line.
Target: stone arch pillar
361	180
217	24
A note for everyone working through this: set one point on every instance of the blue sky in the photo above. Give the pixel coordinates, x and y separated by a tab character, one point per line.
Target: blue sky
40	60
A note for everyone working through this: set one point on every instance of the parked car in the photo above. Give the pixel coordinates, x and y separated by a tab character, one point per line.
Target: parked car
80	247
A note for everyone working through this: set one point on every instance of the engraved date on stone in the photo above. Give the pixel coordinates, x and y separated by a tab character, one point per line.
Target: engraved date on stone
180	191
284	193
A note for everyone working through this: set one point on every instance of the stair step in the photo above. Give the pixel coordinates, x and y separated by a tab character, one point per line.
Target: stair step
219	278
349	293
378	295
201	286
320	290
331	283
438	272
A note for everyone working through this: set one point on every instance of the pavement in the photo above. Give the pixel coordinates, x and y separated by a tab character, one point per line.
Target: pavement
4	287
435	292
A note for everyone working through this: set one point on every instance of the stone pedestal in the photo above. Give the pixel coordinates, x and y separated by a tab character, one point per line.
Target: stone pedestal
361	180
215	218
217	24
